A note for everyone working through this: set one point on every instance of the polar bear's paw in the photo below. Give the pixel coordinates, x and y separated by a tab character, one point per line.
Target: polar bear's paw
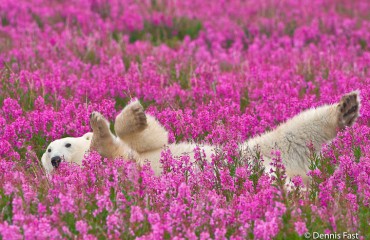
99	124
139	116
132	119
349	107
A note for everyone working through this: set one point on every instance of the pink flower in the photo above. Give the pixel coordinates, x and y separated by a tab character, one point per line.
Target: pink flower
113	221
211	74
297	181
314	173
266	230
82	227
136	214
10	231
300	228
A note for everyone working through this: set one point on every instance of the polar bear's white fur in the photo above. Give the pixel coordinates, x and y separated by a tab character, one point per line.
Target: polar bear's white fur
141	137
68	149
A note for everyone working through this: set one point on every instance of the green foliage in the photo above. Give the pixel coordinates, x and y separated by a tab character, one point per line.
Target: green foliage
142	229
244	100
290	27
121	102
38	142
183	76
230	231
98	222
116	36
357	153
146	103
291	235
315	182
38	21
26	95
257	169
313	223
127	62
5	21
91	57
70	220
6	207
232	169
169	35
325	73
364	220
363	44
167	235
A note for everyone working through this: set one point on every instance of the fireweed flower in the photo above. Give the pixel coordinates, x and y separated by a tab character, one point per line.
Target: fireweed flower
300	228
297	181
136	214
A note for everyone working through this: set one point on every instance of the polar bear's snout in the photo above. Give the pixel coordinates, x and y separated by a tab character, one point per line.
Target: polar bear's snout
55	161
70	150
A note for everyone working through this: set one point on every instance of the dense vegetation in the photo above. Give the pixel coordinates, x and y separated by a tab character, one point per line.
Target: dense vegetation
210	72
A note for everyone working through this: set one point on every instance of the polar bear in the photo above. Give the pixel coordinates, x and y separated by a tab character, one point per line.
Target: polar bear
141	137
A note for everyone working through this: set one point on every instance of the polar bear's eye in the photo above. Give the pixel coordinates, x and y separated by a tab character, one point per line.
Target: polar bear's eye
49	150
68	145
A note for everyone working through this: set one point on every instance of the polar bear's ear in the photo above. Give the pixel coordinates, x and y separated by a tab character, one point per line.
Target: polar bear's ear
88	136
43	159
44	163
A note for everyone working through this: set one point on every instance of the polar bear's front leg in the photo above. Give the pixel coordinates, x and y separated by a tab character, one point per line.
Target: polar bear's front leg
141	132
103	141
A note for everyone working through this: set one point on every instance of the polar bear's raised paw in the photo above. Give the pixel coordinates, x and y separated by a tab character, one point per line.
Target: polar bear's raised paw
348	106
132	119
102	139
99	124
140	121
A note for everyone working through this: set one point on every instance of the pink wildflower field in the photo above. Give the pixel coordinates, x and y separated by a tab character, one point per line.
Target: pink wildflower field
215	72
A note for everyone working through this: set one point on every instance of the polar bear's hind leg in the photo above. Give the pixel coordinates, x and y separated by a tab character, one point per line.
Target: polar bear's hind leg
348	109
315	127
141	132
131	120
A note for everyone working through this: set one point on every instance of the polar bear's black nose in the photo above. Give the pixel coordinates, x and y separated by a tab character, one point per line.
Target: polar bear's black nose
55	161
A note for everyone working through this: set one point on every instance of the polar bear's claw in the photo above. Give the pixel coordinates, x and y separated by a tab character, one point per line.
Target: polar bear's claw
348	106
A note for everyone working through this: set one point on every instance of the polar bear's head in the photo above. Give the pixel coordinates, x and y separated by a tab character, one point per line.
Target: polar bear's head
66	149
